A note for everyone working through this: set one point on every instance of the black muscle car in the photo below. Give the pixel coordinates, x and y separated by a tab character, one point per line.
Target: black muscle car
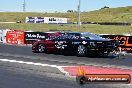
85	43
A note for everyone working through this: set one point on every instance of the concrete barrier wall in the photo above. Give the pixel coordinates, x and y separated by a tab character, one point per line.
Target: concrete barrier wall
22	37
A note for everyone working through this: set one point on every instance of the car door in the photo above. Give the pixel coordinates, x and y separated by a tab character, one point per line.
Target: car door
50	43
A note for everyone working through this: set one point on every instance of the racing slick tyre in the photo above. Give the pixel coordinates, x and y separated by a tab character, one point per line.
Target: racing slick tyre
81	51
41	48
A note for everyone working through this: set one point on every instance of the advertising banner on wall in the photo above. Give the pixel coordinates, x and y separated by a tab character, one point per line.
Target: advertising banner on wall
30	19
47	20
55	20
39	19
125	41
15	37
31	37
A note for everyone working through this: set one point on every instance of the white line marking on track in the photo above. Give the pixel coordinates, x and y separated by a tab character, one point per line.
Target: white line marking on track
63	71
28	63
86	64
37	64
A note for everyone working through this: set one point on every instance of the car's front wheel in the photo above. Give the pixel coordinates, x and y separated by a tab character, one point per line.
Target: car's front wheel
41	48
81	50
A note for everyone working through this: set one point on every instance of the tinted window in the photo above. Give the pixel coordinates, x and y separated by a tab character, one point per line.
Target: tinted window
74	35
69	36
90	36
53	35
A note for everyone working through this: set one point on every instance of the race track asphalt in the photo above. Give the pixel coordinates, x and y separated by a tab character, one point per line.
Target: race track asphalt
15	75
61	60
25	76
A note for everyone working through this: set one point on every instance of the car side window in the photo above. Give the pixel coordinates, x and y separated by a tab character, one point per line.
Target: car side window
85	37
74	36
52	36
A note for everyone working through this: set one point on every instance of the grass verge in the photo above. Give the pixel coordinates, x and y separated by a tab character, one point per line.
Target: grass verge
98	29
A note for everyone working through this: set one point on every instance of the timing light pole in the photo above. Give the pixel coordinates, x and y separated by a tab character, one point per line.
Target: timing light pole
24	6
79	23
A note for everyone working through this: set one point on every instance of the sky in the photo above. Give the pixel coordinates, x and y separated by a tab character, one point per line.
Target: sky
60	5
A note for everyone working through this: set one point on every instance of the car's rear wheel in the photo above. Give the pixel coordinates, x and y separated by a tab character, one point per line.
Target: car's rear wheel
41	48
81	50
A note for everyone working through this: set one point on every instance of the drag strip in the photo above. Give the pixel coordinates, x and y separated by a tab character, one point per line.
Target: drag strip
22	74
21	68
25	53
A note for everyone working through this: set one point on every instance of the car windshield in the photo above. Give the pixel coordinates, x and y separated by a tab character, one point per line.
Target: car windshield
90	36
